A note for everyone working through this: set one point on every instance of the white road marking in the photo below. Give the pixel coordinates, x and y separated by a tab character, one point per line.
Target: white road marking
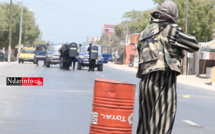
99	74
191	123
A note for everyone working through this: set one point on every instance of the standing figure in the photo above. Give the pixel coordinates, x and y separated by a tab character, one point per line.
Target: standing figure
61	50
93	55
73	52
160	53
64	56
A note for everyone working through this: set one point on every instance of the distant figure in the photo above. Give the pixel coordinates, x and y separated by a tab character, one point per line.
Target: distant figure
93	55
73	52
64	57
160	54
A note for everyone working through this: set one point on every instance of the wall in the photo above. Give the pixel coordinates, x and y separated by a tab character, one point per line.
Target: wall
203	64
129	50
134	39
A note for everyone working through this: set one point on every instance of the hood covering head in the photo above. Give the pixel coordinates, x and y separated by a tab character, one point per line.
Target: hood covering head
168	11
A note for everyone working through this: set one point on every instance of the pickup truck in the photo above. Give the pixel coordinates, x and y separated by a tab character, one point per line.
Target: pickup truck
83	58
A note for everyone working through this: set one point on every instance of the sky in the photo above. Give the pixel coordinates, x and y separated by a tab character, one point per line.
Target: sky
64	21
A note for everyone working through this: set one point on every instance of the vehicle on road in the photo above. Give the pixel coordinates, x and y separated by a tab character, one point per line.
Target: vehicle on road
83	58
52	54
26	55
40	53
107	53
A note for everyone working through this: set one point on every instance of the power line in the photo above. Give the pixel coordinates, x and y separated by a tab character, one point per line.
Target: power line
68	21
80	13
71	14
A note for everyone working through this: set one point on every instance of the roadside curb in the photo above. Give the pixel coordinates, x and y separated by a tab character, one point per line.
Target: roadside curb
189	80
6	63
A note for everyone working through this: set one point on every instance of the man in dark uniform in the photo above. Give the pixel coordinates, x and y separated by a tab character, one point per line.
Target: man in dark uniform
91	61
64	57
160	53
73	52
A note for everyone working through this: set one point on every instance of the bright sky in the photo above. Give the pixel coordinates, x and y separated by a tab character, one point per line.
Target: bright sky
73	20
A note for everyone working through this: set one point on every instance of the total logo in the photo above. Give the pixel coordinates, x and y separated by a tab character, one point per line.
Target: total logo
121	118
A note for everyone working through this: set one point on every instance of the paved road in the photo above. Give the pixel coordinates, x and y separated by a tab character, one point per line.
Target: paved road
63	105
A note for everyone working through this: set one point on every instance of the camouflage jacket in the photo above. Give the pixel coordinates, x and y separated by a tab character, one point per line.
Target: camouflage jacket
160	47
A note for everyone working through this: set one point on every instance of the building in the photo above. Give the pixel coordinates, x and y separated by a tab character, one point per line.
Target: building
108	29
93	39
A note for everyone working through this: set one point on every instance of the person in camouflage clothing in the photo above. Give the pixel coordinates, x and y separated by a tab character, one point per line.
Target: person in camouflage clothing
160	53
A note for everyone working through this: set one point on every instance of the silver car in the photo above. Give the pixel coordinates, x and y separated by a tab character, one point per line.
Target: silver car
53	56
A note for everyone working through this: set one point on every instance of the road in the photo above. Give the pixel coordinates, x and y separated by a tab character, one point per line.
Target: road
63	104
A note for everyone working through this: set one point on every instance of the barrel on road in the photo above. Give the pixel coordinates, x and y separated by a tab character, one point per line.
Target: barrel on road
112	110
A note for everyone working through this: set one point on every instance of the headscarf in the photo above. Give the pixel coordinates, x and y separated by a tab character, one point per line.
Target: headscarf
168	11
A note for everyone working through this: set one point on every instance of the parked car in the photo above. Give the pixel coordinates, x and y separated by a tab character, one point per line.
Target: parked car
107	57
83	58
52	54
107	53
26	55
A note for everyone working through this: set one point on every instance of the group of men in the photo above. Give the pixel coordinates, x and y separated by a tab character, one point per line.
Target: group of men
68	53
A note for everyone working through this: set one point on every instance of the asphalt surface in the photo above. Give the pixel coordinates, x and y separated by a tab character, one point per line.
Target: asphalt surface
63	104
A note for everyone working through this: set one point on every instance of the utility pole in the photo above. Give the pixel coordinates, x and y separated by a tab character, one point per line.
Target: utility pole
10	32
20	27
126	38
185	52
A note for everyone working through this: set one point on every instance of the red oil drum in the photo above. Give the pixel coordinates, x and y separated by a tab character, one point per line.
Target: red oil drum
112	110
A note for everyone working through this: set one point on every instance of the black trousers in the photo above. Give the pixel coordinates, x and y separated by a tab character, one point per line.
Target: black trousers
72	60
92	64
157	103
66	62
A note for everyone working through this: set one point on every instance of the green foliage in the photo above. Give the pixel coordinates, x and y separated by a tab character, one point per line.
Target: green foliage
38	41
109	40
201	21
201	17
135	22
30	31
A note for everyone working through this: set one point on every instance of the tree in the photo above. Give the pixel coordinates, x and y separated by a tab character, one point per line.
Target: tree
201	17
3	25
30	31
138	20
135	21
